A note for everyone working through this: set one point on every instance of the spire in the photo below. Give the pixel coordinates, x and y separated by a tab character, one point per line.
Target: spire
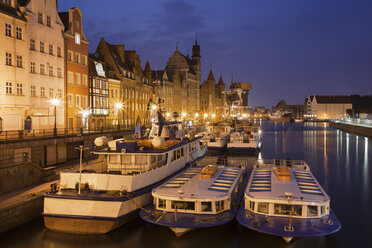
210	76
147	66
196	39
220	81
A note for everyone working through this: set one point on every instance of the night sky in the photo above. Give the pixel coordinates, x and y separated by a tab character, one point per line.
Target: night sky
287	49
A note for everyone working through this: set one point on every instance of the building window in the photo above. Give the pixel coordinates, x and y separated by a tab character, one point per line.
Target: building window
19	33
84	102
83	60
77	79
42	91
69	55
70	77
49	21
60	94
59	72
77	39
32	67
51	92
40	18
19	61
77	101
8	60
85	80
51	71
8	29
33	90
70	100
59	52
42	46
77	58
32	44
9	88
50	49
19	89
42	69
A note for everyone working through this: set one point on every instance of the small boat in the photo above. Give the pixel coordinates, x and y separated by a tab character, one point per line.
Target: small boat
217	136
198	197
283	198
280	116
112	190
246	139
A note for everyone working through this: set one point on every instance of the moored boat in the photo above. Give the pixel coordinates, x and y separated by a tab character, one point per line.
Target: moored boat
112	191
283	198
199	197
217	136
245	139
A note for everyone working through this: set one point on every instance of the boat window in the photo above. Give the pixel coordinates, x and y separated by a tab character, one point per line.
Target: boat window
322	209
114	159
185	205
206	206
178	154
251	205
312	211
153	159
220	206
263	207
126	159
286	209
174	156
182	152
140	159
161	203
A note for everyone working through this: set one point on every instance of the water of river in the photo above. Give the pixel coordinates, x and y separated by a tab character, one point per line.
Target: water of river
340	161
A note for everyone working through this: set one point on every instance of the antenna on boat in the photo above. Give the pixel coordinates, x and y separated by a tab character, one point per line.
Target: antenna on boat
81	148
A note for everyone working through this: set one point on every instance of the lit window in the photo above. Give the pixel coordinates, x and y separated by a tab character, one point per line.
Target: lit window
70	77
77	79
77	39
70	100
85	80
77	101
83	60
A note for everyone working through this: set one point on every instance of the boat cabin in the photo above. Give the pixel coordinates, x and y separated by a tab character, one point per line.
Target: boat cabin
199	190
285	188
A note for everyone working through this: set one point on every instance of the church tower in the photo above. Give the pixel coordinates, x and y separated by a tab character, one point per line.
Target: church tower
196	63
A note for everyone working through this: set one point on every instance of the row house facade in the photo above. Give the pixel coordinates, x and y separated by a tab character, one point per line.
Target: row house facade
327	107
14	76
76	74
135	89
46	64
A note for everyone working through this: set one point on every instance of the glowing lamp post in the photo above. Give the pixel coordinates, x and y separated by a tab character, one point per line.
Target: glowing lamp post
118	106
55	102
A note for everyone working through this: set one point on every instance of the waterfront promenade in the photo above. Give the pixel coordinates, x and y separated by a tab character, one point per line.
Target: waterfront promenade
353	125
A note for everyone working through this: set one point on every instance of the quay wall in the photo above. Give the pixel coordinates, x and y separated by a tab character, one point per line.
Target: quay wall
360	130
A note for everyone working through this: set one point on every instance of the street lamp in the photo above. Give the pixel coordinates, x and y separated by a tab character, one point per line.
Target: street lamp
118	106
55	102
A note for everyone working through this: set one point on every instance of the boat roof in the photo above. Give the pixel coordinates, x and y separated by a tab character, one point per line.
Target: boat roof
144	149
265	184
190	185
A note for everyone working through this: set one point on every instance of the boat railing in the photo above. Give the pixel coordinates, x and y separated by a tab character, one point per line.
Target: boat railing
268	163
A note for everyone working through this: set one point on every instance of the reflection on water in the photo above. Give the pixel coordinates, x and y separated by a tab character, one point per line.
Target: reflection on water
342	171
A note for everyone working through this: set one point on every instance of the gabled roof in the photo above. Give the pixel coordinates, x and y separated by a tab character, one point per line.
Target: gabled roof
65	19
15	12
333	99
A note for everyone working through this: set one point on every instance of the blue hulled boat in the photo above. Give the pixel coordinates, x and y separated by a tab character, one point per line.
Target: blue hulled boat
196	198
283	198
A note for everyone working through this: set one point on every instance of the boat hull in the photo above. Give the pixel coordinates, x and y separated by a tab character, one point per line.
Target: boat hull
240	150
280	226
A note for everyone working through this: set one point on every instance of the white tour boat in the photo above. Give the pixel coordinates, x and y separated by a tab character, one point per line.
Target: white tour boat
196	198
111	193
217	136
283	198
